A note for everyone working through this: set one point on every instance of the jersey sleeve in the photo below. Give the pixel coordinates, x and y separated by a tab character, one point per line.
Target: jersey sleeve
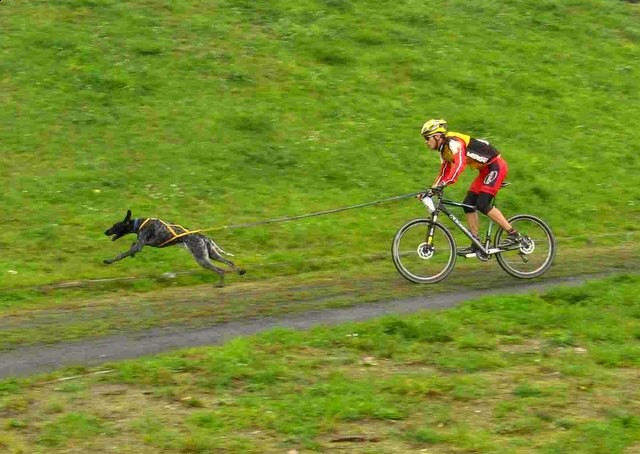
450	171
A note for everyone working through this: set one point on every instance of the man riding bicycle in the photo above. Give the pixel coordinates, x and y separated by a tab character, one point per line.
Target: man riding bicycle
458	150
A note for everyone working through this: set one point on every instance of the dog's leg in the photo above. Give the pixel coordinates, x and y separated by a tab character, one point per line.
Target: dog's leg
214	255
199	251
135	248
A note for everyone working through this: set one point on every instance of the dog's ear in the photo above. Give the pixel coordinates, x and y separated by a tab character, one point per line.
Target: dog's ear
128	216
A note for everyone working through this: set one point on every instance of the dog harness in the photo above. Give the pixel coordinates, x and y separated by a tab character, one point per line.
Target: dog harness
169	227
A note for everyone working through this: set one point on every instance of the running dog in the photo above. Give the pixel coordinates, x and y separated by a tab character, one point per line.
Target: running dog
157	233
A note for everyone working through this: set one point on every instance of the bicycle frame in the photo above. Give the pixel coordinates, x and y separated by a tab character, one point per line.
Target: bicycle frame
440	207
414	244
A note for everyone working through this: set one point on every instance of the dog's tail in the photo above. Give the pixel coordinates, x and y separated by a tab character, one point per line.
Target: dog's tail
214	249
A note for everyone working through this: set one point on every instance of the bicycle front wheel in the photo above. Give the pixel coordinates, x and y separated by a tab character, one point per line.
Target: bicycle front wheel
534	255
418	261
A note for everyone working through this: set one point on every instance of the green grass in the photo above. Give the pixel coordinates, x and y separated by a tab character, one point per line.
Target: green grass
489	376
224	112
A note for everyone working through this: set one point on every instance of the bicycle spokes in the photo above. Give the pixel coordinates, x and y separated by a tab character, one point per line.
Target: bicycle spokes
535	253
420	260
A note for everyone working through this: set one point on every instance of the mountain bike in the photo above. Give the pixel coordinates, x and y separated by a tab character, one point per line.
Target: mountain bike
424	250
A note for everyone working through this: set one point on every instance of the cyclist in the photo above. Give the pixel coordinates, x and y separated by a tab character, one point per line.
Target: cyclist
458	150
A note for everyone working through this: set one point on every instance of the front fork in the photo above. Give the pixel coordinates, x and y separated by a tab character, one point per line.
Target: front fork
432	229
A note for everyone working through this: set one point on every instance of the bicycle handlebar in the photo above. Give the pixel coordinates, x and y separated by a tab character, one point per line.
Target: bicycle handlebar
436	190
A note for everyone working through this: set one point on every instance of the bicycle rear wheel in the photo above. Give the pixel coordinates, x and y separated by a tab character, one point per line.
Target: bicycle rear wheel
421	263
535	255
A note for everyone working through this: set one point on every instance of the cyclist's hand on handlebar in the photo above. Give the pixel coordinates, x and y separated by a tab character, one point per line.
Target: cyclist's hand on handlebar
436	190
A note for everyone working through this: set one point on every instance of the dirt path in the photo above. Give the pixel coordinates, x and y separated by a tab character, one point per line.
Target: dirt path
43	358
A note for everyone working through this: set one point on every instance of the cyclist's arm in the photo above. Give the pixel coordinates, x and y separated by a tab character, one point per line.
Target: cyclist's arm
450	171
443	171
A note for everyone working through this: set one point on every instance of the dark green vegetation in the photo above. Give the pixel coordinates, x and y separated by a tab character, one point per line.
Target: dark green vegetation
223	112
551	373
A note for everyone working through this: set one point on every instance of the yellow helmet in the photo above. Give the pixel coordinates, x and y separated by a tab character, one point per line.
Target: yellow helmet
434	126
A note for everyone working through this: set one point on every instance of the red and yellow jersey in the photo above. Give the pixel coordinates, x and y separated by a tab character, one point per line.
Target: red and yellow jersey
458	151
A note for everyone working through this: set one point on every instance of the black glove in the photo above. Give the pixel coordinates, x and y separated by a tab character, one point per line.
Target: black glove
432	191
437	190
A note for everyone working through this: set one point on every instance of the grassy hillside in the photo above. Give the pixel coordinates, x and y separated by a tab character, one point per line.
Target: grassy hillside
209	113
550	373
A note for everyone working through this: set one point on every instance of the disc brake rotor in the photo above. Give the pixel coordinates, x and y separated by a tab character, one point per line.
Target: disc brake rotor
529	247
425	251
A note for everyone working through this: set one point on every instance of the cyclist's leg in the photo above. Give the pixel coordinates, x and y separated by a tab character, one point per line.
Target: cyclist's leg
472	220
485	206
488	184
496	216
472	214
494	175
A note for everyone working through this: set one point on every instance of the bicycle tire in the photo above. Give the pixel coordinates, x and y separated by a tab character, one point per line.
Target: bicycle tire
503	257
407	254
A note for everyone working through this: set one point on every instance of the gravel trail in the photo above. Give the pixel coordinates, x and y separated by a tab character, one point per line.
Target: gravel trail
92	352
